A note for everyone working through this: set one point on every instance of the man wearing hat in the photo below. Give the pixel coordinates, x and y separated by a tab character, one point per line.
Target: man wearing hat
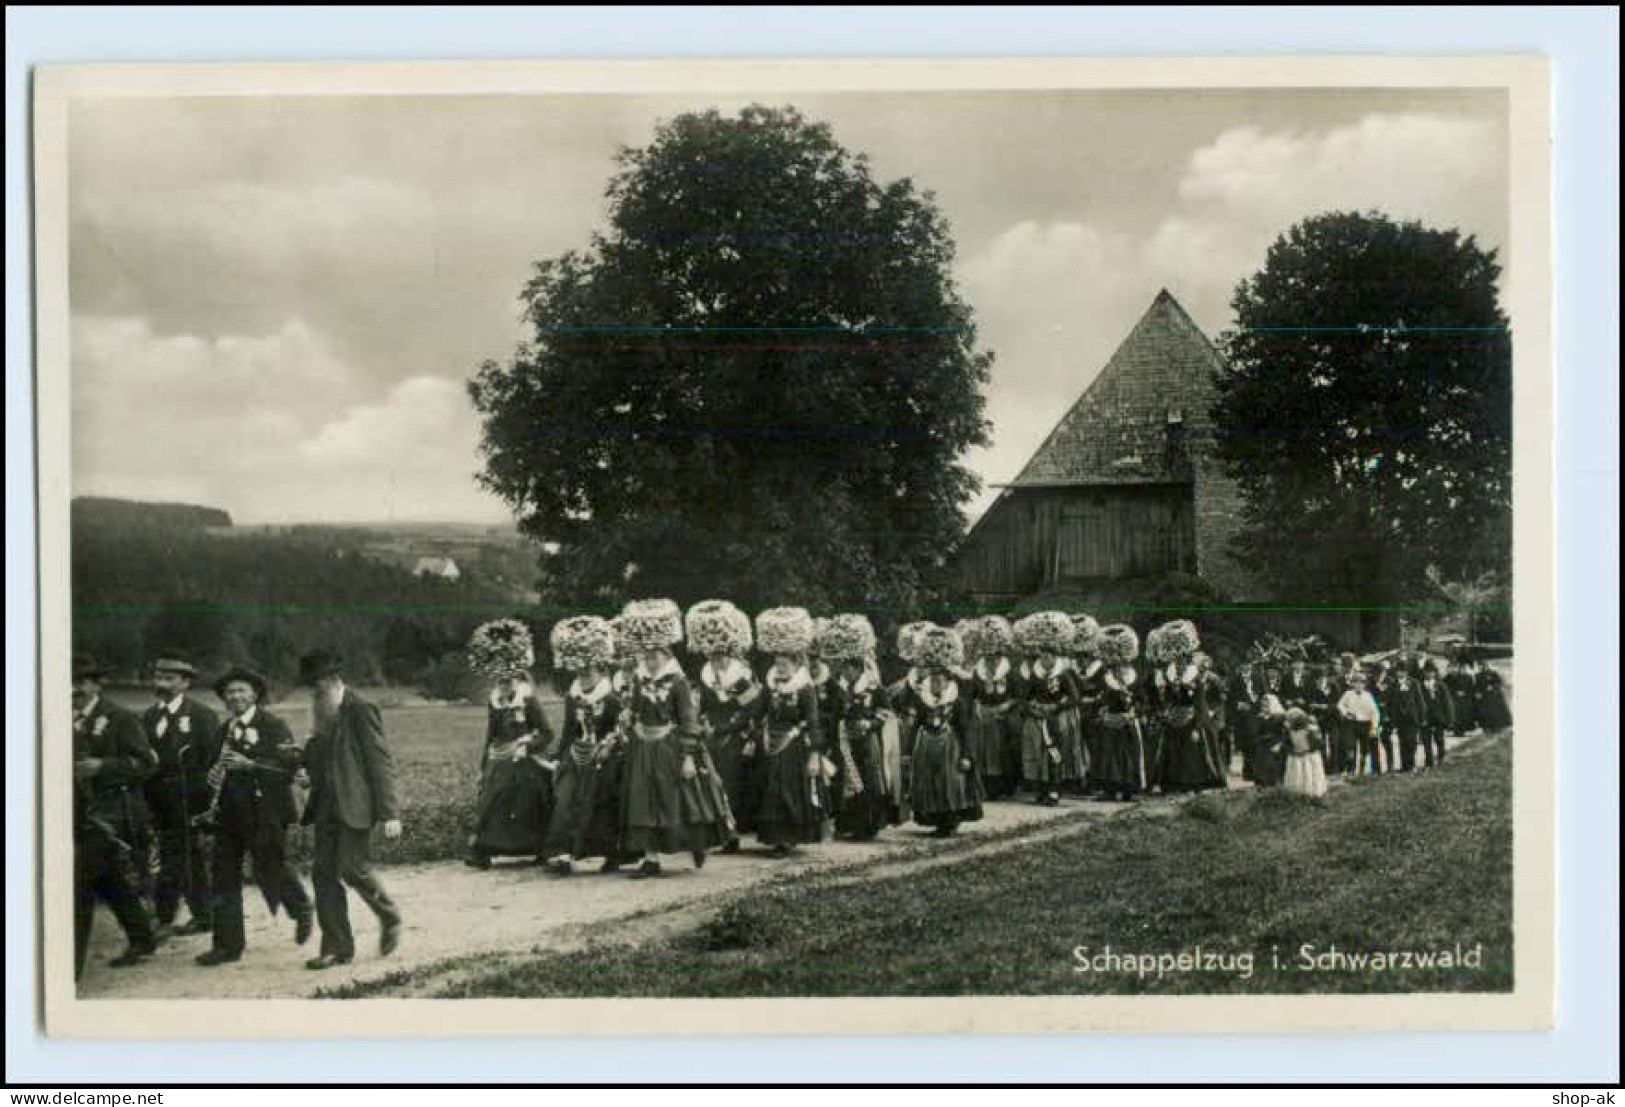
1438	714
185	736
352	788
250	814
1246	694
1407	715
111	759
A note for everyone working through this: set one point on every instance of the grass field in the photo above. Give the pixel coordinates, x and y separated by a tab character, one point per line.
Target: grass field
436	748
1414	863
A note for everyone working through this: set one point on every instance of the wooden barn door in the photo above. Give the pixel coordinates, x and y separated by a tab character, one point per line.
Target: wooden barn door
1088	540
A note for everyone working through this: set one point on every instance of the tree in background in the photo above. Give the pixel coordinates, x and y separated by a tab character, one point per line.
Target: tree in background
758	379
1367	411
200	629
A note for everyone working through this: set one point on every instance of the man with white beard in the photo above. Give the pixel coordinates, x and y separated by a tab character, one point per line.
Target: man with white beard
352	787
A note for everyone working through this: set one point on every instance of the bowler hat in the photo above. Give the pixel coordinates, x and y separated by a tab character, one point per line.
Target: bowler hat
173	661
320	663
244	674
86	667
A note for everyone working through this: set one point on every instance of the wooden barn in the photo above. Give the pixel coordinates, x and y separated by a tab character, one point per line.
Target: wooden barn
1125	488
1120	488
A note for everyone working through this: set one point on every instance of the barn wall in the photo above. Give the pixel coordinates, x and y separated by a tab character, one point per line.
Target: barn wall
1218	520
1040	538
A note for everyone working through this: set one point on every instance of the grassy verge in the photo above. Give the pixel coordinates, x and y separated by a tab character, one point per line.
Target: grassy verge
1394	864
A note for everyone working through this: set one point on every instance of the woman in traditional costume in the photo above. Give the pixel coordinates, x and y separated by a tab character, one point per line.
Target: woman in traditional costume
1305	772
730	705
1121	771
1494	714
1462	680
1049	690
671	800
626	662
946	790
516	766
794	801
1322	708
994	738
867	769
586	786
1188	756
1212	708
968	630
822	673
1269	768
1088	670
901	692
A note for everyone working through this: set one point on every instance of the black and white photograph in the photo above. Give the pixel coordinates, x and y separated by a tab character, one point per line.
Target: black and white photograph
1036	540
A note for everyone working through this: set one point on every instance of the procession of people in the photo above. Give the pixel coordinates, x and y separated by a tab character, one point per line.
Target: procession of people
221	793
786	733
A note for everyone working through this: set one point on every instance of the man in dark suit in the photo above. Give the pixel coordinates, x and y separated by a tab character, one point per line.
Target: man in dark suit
1438	714
1403	707
352	788
1245	694
184	735
111	759
1296	686
250	816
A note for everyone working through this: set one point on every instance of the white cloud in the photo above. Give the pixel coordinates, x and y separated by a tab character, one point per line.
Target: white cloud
414	412
280	423
290	371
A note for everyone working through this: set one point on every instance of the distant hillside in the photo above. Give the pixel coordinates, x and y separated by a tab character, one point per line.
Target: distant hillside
103	511
148	576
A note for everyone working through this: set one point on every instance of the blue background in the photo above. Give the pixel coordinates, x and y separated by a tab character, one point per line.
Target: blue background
1584	48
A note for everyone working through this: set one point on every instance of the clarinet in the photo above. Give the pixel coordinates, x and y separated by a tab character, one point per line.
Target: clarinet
216	779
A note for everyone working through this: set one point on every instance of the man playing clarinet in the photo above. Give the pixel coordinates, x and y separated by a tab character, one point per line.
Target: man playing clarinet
252	810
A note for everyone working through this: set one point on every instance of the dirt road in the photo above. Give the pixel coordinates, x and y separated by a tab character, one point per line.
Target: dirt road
452	911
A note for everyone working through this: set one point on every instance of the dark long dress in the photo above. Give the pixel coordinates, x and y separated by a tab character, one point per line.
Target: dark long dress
1049	729
794	803
663	811
1187	754
1120	768
944	793
994	737
902	701
1322	707
730	710
1245	692
586	789
1492	708
1089	674
1274	748
866	804
1463	685
827	689
516	797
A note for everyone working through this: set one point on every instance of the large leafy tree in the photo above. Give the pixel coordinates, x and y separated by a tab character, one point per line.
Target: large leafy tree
757	381
1367	411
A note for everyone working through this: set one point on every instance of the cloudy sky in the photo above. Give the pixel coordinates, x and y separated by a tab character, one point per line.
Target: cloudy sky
276	301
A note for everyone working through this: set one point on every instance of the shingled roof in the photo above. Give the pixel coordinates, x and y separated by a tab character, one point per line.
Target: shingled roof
1118	430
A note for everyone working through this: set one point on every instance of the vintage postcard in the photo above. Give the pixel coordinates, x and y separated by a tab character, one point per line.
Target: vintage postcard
795	547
